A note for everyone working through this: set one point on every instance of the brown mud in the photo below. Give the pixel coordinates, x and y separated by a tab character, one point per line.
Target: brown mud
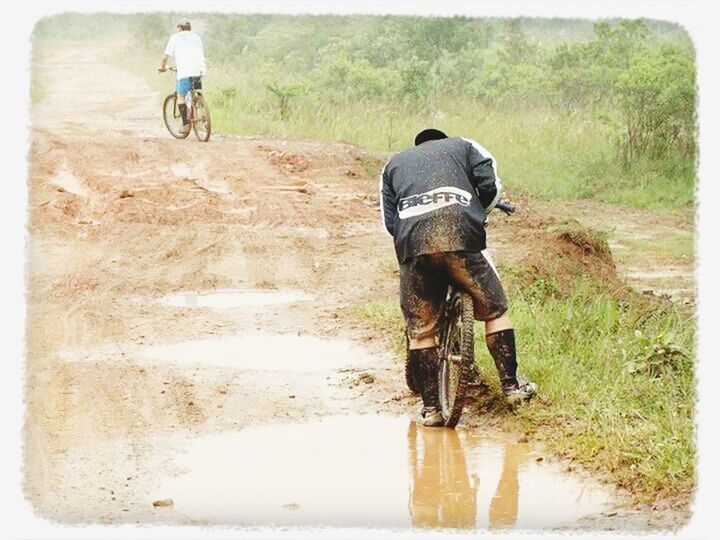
125	367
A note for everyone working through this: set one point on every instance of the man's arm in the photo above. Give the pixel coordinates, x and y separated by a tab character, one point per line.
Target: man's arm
388	208
483	175
169	51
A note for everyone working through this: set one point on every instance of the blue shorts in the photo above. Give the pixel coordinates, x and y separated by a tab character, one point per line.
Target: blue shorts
183	86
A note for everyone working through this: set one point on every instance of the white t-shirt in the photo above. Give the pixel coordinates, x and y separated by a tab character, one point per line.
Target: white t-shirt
187	48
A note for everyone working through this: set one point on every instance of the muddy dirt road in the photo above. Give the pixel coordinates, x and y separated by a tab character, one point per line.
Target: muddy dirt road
191	336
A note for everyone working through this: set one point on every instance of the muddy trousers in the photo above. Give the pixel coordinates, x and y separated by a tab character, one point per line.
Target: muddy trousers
502	348
423	364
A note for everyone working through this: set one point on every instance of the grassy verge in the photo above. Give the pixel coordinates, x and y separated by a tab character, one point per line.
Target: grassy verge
616	378
550	155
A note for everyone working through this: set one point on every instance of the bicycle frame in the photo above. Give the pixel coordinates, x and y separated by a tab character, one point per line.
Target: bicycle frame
189	99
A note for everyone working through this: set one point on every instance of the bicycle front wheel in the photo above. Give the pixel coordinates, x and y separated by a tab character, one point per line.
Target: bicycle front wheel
457	356
172	117
201	114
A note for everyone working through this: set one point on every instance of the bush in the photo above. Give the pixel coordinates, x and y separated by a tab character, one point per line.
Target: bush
656	98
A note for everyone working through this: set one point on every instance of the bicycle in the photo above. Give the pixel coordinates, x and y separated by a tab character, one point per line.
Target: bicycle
198	112
456	349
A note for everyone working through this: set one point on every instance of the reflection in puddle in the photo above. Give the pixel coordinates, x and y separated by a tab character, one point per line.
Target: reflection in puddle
262	351
233	299
370	471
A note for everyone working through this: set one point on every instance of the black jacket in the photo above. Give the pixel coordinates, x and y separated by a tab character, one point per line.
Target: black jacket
435	197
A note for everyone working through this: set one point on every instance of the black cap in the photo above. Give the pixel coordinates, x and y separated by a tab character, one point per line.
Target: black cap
430	134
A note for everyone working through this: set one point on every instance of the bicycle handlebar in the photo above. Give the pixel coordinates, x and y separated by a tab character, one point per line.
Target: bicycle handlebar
506	207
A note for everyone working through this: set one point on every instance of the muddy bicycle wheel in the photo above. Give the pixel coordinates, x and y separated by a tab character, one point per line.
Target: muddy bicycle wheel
457	356
201	113
172	118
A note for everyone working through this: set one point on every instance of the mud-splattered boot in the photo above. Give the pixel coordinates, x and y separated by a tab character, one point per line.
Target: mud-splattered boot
522	390
185	128
431	417
516	389
423	365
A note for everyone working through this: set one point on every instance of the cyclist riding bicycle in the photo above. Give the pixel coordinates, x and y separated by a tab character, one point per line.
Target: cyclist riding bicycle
187	49
435	198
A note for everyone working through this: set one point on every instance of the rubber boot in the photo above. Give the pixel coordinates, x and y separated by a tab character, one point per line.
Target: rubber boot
183	113
424	369
502	348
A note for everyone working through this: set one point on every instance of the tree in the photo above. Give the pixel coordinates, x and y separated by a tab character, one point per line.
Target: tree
656	97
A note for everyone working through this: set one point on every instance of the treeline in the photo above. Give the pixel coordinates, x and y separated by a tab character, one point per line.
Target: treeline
639	76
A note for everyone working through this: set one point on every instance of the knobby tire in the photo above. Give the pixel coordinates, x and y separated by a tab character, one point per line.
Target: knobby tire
459	317
202	119
169	106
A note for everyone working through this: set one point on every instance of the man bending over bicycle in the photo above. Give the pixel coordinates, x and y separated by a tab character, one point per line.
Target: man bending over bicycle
435	200
187	49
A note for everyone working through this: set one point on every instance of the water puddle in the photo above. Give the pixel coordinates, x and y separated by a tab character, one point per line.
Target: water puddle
233	298
264	351
676	283
661	274
68	181
368	471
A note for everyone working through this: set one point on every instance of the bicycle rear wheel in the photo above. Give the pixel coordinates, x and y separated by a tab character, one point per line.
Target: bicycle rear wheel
172	118
201	114
457	356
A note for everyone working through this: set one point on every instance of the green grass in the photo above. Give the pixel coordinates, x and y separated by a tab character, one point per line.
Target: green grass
667	185
550	155
616	379
384	316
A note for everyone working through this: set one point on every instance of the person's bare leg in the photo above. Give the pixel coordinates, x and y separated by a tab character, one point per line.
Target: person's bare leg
422	343
503	322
